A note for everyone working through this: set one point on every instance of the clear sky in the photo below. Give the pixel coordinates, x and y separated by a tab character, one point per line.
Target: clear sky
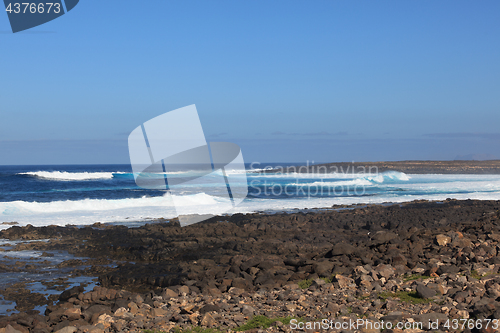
289	81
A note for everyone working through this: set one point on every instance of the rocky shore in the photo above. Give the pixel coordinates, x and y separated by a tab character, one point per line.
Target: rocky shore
420	262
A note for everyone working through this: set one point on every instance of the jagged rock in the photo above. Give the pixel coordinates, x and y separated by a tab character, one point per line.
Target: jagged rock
105	319
120	312
427	318
210	308
247	310
385	271
425	292
442	240
9	329
208	320
382	237
485	307
168	294
159	312
341	249
73	292
494	236
73	313
344	282
323	268
96	310
448	269
67	329
119	325
184	290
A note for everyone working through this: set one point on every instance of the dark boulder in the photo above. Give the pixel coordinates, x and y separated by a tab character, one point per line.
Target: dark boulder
425	292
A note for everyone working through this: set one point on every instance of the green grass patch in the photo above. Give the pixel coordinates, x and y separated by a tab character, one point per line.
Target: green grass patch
304	284
475	274
263	322
197	330
405	296
415	277
189	330
255	322
327	280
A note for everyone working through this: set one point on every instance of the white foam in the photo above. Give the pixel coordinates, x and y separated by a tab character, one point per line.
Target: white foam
70	176
89	211
384	176
361	180
255	205
354	182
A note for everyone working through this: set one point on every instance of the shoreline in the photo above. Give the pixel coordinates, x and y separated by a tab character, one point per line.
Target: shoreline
417	243
124	203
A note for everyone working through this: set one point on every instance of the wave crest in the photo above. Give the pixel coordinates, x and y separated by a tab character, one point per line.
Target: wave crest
384	177
70	176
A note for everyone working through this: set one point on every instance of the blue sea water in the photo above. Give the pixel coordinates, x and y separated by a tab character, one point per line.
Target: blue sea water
85	194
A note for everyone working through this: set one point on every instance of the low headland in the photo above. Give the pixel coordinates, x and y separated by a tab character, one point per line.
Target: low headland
409	167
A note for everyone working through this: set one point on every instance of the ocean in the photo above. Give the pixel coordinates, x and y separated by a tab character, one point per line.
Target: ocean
86	194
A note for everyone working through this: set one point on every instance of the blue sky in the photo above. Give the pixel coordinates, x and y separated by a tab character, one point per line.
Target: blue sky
289	81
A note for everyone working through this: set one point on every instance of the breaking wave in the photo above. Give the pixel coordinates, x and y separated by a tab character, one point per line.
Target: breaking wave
70	176
385	177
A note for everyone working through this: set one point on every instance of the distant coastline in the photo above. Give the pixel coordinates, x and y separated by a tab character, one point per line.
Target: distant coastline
411	167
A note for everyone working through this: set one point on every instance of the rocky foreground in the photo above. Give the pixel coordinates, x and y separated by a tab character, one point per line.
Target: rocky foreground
422	262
